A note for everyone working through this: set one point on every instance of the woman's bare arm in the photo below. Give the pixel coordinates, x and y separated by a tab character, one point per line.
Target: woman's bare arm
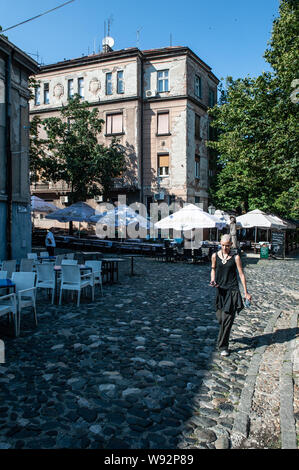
242	277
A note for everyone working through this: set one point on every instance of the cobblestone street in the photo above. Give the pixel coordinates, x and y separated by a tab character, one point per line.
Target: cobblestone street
137	368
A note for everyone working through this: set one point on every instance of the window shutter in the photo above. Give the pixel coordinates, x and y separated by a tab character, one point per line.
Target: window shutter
163	160
109	124
117	123
163	123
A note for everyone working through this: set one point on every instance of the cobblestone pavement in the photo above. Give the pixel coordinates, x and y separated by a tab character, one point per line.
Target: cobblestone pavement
137	368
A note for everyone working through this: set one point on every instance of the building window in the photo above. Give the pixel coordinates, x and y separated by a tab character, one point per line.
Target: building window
120	82
163	83
212	100
46	93
163	165
163	123
197	166
109	83
37	96
197	126
197	86
70	88
114	124
81	87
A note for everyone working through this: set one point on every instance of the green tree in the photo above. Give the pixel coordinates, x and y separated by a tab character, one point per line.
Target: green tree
71	152
257	127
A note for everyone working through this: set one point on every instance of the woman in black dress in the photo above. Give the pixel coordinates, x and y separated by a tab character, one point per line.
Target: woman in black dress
228	297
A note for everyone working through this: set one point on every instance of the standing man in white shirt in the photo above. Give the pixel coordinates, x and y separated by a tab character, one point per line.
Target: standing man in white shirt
50	242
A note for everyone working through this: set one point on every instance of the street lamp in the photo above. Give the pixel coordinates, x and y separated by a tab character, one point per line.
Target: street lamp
211	209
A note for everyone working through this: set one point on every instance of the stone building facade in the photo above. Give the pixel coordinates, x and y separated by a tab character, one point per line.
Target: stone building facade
155	102
15	216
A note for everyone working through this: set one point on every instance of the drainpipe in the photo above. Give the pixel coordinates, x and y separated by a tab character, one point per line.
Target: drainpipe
141	135
8	157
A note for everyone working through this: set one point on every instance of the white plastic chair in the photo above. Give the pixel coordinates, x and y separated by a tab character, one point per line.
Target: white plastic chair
46	278
69	262
73	280
58	260
44	254
32	256
26	293
3	275
9	266
70	255
26	265
96	267
8	305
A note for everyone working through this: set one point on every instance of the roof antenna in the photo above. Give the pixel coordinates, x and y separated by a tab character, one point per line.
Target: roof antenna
138	37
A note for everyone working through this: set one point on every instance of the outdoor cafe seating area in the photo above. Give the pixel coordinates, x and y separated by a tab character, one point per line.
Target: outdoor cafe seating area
20	280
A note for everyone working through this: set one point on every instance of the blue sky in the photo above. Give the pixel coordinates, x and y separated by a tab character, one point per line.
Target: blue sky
229	35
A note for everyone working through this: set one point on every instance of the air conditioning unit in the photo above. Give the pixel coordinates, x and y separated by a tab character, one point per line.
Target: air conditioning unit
98	198
159	196
64	199
150	93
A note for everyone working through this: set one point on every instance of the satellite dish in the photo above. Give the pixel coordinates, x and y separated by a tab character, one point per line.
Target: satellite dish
108	41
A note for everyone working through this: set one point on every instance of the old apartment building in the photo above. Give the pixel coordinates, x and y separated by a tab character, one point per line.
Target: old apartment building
15	209
155	102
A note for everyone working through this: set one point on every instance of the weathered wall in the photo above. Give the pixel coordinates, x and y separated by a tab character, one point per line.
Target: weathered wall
180	101
94	83
15	67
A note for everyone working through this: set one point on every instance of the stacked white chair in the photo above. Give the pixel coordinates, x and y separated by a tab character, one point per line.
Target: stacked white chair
46	278
58	260
8	305
69	262
73	280
9	266
25	293
35	259
27	265
96	267
32	256
3	275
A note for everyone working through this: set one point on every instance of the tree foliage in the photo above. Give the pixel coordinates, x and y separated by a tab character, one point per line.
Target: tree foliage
257	125
71	152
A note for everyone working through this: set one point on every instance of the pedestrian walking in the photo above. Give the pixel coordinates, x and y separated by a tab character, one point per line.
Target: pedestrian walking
50	242
233	231
228	297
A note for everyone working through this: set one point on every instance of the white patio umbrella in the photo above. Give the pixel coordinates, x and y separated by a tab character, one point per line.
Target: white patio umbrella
259	219
77	212
286	223
39	205
188	218
225	217
121	216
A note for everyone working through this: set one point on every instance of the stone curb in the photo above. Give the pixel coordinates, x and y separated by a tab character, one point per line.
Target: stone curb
286	384
242	419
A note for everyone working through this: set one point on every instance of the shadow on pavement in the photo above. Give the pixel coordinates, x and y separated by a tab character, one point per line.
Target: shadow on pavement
279	336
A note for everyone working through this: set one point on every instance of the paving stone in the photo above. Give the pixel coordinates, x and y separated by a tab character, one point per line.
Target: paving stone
138	367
